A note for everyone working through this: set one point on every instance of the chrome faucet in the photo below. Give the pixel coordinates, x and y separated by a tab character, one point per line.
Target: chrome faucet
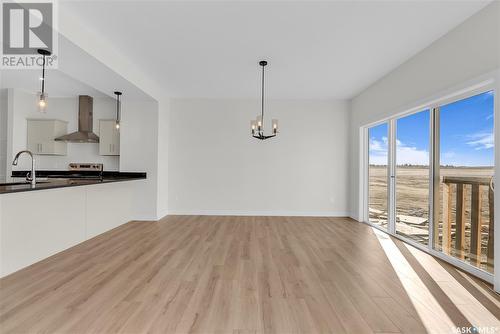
32	179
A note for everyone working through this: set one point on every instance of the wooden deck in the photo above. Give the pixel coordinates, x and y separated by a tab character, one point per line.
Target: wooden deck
471	238
465	227
198	274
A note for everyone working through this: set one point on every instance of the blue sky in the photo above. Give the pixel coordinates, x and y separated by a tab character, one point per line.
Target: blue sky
466	135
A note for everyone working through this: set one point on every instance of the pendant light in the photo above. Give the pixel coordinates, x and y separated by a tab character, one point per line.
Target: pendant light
118	109
257	125
42	96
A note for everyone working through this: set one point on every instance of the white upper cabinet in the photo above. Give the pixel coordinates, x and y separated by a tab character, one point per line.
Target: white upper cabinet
41	135
109	137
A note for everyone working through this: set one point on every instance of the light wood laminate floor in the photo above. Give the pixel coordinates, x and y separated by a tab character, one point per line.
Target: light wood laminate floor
207	274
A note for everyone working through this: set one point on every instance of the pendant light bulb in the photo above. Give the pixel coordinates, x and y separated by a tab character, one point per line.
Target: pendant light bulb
42	96
42	102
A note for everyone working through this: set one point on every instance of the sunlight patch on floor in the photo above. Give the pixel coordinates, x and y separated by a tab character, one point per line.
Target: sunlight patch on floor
480	288
431	314
470	307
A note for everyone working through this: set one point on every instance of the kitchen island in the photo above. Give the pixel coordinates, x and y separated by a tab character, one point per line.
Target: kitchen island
60	212
60	179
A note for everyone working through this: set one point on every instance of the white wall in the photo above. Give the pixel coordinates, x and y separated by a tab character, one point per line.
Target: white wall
468	51
3	134
66	109
216	167
139	153
163	157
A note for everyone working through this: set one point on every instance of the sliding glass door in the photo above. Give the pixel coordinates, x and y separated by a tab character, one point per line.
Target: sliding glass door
378	190
430	178
465	170
412	176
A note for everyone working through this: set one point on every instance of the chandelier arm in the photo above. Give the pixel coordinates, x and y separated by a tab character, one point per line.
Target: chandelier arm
262	137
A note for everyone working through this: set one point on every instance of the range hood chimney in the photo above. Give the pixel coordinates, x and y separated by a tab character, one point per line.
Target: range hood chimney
85	132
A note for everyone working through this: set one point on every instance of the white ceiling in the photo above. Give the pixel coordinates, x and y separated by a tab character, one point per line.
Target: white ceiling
57	84
78	73
315	49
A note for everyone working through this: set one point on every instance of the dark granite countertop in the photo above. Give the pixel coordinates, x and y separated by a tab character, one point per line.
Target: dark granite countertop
62	179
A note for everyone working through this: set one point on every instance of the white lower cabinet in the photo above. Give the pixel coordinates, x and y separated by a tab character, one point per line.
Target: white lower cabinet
109	137
41	135
58	219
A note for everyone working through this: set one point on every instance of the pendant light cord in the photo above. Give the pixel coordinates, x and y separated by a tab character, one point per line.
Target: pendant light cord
117	108
262	115
43	75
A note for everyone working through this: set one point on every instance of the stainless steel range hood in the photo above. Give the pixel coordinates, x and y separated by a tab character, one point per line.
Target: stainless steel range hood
85	132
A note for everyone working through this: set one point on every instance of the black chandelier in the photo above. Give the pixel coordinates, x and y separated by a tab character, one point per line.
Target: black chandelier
257	125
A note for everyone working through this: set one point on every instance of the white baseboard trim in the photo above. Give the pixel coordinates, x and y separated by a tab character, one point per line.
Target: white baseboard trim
260	213
353	216
160	214
145	218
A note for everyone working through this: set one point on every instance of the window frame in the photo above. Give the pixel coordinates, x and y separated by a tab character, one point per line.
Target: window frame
471	88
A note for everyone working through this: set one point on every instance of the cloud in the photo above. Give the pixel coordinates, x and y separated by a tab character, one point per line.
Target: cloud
481	141
378	151
405	154
378	145
410	155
